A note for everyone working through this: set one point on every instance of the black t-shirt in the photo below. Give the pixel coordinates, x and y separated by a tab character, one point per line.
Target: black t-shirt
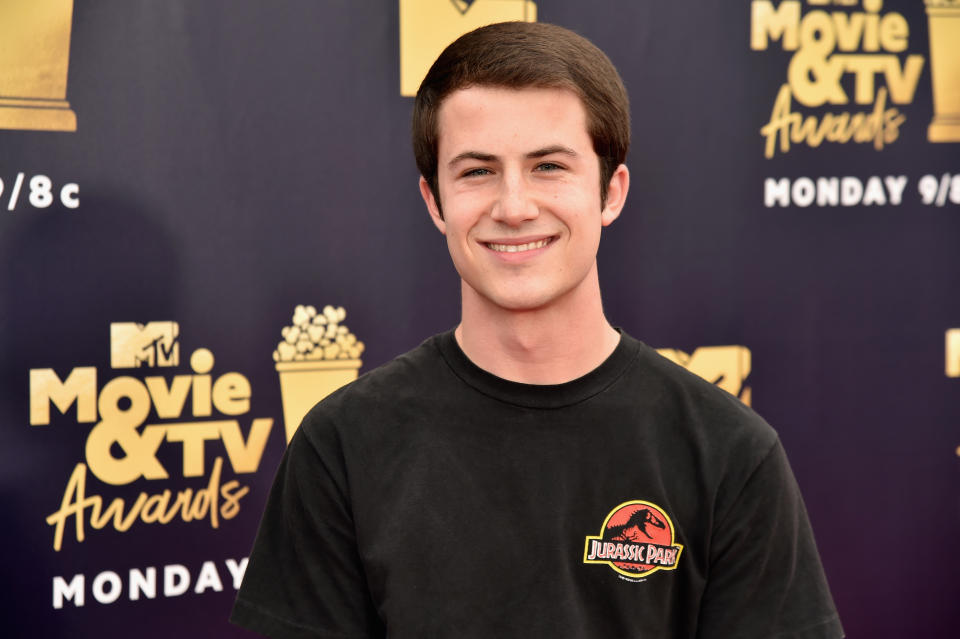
430	498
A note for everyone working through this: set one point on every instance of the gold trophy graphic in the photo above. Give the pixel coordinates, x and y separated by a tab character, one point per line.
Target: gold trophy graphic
428	26
944	17
317	356
34	57
953	352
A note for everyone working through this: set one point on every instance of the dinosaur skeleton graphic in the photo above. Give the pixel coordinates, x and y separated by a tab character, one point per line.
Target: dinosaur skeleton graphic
639	520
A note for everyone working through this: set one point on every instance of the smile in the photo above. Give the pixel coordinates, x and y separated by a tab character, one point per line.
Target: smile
518	248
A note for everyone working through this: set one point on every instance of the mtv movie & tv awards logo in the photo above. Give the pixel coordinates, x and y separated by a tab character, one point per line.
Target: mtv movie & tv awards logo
136	420
853	73
134	417
146	425
857	61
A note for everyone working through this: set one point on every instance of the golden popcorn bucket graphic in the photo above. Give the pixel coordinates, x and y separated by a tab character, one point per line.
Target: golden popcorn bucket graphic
34	58
317	355
428	26
944	17
303	384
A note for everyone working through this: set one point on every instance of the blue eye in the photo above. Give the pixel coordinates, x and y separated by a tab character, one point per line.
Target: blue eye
548	166
476	172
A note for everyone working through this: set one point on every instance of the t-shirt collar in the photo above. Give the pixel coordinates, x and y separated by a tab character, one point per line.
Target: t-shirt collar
537	395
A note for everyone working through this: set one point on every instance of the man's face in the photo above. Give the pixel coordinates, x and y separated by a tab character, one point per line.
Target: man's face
519	183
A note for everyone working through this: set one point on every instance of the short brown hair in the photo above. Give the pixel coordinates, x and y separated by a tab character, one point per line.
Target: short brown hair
518	55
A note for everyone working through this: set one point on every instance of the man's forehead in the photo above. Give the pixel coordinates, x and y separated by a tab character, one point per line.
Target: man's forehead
480	95
526	109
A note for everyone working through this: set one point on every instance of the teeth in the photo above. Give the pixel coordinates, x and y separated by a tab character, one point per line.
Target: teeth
517	248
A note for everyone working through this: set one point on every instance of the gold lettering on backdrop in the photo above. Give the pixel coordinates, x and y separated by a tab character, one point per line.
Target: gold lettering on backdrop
191	505
880	126
118	426
168	400
122	448
833	50
46	388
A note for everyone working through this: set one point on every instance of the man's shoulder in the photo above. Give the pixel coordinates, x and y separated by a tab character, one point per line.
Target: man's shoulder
405	378
400	374
694	402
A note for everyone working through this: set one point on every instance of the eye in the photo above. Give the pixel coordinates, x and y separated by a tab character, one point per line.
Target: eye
548	166
478	172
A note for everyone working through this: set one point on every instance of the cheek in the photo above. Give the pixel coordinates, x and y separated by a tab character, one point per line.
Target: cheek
461	218
459	246
457	228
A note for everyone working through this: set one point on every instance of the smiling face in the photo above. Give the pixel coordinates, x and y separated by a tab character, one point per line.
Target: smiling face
519	184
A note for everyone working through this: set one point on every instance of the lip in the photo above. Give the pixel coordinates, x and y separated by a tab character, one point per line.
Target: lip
501	247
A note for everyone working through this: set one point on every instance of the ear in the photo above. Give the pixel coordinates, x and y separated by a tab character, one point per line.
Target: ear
427	194
616	195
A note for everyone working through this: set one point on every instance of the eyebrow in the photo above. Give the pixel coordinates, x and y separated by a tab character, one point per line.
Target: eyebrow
473	155
488	157
550	150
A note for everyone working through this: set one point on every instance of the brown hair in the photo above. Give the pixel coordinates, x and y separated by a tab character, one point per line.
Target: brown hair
518	55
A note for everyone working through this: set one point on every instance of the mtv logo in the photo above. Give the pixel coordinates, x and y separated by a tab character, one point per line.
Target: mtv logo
428	26
133	345
726	366
953	352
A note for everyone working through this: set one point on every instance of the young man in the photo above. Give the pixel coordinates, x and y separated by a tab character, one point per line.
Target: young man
534	472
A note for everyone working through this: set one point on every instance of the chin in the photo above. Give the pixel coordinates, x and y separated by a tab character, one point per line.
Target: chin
522	301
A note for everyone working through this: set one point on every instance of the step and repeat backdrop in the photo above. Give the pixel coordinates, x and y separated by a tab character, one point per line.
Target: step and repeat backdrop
209	219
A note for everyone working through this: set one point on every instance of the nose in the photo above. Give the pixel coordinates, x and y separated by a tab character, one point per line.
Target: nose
515	203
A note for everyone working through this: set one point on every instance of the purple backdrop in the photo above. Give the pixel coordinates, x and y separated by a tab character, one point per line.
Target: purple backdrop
233	160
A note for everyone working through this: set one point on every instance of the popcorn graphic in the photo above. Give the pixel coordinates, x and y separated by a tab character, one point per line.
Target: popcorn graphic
317	356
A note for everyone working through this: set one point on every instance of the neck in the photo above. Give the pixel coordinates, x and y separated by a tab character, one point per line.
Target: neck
557	343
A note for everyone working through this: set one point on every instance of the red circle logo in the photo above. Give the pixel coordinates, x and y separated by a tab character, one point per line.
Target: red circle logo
636	539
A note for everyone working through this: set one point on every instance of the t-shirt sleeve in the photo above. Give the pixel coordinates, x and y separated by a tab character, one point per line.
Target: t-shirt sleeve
305	578
765	576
